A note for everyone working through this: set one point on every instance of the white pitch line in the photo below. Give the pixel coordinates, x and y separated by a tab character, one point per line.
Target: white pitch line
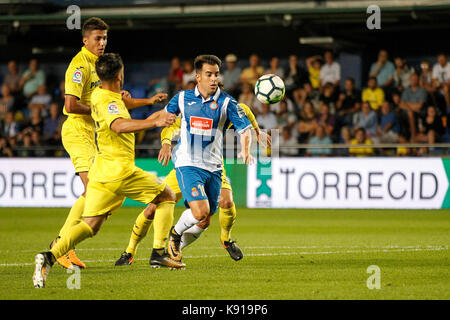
390	250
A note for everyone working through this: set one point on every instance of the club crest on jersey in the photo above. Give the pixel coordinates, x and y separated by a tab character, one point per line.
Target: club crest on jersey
77	76
213	105
194	192
201	126
113	108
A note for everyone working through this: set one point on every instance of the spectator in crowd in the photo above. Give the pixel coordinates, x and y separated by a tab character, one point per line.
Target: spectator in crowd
373	94
41	100
232	75
348	103
288	140
425	81
11	127
326	120
366	119
383	70
175	77
266	119
32	78
412	101
284	117
306	93
274	67
320	138
295	75
402	74
6	101
188	72
5	148
59	94
389	128
431	128
307	123
313	65
35	123
345	138
441	77
330	72
361	139
328	96
253	72
190	85
53	125
12	78
248	97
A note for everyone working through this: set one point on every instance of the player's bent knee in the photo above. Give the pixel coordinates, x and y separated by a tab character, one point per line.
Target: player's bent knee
166	195
149	212
226	203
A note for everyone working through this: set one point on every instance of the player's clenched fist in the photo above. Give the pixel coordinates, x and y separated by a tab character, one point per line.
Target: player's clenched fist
165	119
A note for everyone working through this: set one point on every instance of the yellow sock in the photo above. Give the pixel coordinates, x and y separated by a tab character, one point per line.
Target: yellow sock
139	232
71	238
162	223
74	216
226	219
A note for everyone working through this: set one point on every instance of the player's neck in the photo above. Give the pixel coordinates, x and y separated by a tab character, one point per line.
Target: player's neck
204	93
111	86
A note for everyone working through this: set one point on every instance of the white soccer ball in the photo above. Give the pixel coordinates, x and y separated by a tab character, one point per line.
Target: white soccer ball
269	88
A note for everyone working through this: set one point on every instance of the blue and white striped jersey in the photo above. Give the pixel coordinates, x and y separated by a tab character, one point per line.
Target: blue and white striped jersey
203	123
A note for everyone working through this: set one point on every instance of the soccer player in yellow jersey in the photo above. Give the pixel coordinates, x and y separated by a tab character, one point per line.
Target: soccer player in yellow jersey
114	175
78	135
227	208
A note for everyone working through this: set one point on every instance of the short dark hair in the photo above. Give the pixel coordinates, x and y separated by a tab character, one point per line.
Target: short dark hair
92	24
108	66
208	59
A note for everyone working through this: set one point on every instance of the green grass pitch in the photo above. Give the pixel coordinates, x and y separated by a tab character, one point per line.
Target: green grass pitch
289	254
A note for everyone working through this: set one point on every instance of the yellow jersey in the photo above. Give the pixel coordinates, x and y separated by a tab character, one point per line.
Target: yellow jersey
314	77
81	79
114	160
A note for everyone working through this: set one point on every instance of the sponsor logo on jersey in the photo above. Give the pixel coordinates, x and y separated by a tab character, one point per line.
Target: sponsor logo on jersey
113	108
95	84
201	126
191	103
240	111
77	76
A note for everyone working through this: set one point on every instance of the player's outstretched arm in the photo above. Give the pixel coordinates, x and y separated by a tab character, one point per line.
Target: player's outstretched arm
72	105
246	142
158	119
167	134
132	103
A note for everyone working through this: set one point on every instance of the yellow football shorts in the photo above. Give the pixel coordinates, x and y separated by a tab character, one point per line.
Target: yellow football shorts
78	138
107	197
172	182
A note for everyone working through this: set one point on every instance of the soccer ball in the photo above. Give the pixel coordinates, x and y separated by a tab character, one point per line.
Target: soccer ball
269	89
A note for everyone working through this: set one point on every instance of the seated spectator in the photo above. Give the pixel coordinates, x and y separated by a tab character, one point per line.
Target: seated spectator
52	126
232	75
5	148
326	120
330	72
373	94
275	107
348	103
10	127
175	77
307	122
35	123
313	65
6	101
188	72
383	70
41	100
266	119
441	78
274	67
402	74
284	117
345	138
253	72
248	97
32	79
426	82
328	97
59	94
12	78
412	101
288	140
295	76
431	128
360	139
306	93
320	137
389	128
366	119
